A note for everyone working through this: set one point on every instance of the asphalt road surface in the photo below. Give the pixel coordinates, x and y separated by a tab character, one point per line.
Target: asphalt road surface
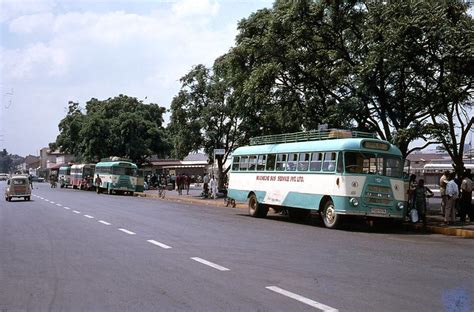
70	250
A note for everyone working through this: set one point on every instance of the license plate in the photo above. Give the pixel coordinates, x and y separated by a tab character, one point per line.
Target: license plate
378	210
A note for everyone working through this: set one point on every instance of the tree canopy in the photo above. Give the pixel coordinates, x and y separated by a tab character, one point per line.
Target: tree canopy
121	126
402	69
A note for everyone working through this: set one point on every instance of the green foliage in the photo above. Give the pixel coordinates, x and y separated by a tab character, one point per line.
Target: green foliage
120	126
6	162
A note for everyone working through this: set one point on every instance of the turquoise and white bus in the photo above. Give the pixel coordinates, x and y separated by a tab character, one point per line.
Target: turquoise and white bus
335	172
117	176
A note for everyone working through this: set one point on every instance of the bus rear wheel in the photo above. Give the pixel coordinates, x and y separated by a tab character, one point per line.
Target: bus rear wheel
256	209
330	218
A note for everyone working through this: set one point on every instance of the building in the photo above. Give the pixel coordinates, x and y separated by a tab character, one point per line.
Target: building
51	161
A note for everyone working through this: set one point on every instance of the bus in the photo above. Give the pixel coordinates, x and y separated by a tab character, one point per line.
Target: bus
432	172
118	177
82	175
335	172
64	175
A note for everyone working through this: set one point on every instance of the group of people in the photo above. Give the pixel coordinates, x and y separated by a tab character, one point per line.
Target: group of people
456	196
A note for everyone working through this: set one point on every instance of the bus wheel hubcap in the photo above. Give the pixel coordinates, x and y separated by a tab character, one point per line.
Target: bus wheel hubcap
330	214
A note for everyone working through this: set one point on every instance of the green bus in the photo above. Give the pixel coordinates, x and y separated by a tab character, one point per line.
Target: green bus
117	177
337	173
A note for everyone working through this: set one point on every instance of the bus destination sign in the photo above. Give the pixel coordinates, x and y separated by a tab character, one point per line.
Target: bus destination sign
376	145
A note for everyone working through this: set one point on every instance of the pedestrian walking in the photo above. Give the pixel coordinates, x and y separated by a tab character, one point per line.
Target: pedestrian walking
419	199
98	182
179	184
443	181
466	197
452	193
162	187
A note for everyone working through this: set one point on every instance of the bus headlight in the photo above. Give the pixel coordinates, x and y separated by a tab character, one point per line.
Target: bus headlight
354	202
400	206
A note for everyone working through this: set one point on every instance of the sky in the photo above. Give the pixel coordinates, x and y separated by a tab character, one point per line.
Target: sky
56	51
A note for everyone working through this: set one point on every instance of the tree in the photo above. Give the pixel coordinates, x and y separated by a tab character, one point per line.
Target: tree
203	115
403	42
6	162
122	126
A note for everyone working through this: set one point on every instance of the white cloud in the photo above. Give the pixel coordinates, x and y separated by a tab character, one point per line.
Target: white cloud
185	8
10	9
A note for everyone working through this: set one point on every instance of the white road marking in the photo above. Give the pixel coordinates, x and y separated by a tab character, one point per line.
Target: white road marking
103	222
67	208
90	217
75	211
59	205
52	202
302	299
213	265
127	231
154	242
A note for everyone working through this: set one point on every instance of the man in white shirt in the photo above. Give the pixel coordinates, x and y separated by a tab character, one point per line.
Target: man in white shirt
443	181
452	194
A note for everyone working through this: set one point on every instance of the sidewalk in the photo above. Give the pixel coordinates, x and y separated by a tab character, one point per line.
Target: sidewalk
435	221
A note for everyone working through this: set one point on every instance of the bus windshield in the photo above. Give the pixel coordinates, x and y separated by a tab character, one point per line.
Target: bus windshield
370	163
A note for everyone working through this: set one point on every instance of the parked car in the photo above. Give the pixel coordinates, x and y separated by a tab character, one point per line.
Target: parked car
3	176
18	186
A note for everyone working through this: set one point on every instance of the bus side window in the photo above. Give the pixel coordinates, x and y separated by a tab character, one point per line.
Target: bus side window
329	163
292	162
261	160
340	165
303	163
236	163
244	163
271	162
281	162
252	162
316	161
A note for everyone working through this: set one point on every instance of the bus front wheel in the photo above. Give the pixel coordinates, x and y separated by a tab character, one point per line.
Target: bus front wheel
255	209
330	218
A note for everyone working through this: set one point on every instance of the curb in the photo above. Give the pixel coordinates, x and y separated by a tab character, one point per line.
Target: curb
417	227
443	230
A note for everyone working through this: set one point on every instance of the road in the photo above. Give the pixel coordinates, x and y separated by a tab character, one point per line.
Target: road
69	250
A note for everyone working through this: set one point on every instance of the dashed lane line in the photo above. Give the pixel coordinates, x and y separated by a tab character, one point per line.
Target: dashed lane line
59	205
127	231
75	211
89	217
52	202
302	299
211	264
104	222
154	242
67	208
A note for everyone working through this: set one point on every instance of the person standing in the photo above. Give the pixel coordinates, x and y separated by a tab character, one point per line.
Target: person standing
205	185
466	197
452	193
98	182
213	184
412	184
443	181
187	183
162	187
419	199
179	183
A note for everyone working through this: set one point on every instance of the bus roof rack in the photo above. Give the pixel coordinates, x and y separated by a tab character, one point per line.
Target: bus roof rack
312	135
